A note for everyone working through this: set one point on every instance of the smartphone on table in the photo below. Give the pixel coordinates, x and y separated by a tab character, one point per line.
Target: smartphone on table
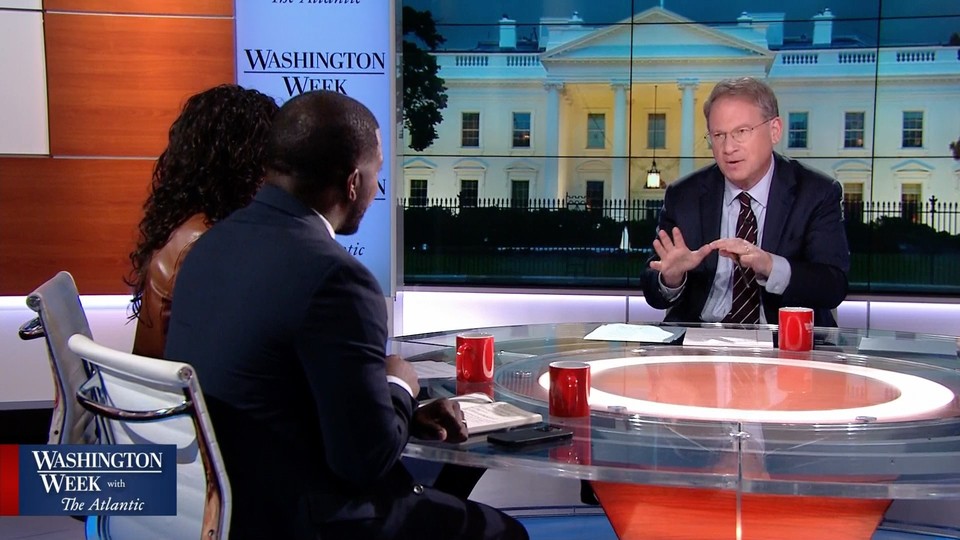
529	435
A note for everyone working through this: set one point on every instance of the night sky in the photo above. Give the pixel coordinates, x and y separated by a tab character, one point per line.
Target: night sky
904	22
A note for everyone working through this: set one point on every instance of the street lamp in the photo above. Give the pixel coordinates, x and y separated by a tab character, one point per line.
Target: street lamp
653	174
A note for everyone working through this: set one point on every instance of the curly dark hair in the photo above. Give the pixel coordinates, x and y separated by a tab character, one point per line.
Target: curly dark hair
213	164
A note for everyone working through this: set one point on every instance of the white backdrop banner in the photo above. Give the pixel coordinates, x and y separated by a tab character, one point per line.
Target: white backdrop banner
23	79
287	47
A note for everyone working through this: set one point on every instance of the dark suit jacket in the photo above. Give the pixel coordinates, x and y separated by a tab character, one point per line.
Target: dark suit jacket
804	224
287	333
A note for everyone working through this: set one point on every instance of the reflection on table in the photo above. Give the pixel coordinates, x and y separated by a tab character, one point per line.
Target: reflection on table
750	439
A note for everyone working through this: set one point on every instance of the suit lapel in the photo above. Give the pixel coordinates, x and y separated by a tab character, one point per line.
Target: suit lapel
779	204
711	204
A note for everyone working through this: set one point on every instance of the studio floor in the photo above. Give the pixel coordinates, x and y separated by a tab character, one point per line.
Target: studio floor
571	527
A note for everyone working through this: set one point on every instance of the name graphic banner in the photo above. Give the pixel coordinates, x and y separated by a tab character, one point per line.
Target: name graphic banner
71	480
287	47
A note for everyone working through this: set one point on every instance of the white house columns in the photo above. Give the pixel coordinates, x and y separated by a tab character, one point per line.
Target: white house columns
688	87
550	169
620	188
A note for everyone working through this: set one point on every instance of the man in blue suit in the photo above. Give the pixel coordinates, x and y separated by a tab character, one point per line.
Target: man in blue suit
287	332
798	253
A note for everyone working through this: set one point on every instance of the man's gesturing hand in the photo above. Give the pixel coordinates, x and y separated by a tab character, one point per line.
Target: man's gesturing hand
676	259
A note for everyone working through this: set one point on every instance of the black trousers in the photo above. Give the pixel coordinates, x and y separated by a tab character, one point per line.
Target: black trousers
428	513
458	480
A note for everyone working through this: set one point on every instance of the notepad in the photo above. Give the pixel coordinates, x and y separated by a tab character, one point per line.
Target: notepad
431	369
483	414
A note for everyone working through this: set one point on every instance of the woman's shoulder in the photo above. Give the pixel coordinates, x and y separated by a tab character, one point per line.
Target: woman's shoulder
187	233
167	259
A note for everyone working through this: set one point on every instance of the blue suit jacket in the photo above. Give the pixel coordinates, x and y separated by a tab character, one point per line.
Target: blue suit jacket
804	224
287	333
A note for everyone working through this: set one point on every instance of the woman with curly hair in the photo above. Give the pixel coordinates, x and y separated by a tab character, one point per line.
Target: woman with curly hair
213	165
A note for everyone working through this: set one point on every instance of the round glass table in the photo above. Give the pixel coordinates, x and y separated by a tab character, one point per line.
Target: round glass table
724	435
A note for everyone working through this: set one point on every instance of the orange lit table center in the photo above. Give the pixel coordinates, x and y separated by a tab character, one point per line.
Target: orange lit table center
733	442
764	390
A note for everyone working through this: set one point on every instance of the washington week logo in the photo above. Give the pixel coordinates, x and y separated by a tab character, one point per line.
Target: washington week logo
45	480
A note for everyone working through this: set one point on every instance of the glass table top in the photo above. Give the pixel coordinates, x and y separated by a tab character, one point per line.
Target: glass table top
867	414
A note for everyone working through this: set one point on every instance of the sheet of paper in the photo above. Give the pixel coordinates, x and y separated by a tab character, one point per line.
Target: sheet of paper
630	332
431	369
473	397
728	342
728	337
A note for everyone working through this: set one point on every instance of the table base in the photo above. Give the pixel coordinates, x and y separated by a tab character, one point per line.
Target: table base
674	513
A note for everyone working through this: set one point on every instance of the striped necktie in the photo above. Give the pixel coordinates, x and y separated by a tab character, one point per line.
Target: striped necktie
746	292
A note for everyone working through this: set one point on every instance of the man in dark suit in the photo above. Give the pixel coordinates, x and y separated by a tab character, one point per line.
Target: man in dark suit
287	332
707	266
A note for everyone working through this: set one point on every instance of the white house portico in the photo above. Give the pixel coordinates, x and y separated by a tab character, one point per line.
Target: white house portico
588	108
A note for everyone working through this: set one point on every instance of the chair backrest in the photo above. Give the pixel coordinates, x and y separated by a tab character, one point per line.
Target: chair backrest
60	315
154	401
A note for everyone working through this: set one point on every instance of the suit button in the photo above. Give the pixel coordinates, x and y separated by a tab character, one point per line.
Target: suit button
417	489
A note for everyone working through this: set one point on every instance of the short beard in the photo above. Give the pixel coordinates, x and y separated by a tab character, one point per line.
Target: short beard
351	223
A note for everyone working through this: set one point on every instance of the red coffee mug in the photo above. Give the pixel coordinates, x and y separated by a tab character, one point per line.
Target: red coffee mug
569	388
475	357
796	329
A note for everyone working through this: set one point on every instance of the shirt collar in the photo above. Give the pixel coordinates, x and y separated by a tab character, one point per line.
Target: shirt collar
759	192
327	224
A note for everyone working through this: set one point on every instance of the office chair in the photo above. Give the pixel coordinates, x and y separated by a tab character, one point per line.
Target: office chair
60	315
153	401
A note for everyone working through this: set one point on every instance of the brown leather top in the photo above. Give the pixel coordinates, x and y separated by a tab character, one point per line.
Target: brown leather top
162	271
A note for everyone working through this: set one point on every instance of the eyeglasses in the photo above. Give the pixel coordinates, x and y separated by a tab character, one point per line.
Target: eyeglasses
739	135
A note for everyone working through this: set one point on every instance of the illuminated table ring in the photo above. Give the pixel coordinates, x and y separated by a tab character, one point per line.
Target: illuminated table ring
916	396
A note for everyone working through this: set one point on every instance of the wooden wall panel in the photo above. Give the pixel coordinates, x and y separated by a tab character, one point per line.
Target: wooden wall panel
159	7
116	83
78	215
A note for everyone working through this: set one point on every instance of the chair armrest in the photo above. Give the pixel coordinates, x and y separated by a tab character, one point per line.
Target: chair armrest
32	329
90	399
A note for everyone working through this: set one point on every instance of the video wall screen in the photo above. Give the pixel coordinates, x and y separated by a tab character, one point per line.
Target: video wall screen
538	136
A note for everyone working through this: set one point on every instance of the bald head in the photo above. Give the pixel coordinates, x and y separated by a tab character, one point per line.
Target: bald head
318	139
